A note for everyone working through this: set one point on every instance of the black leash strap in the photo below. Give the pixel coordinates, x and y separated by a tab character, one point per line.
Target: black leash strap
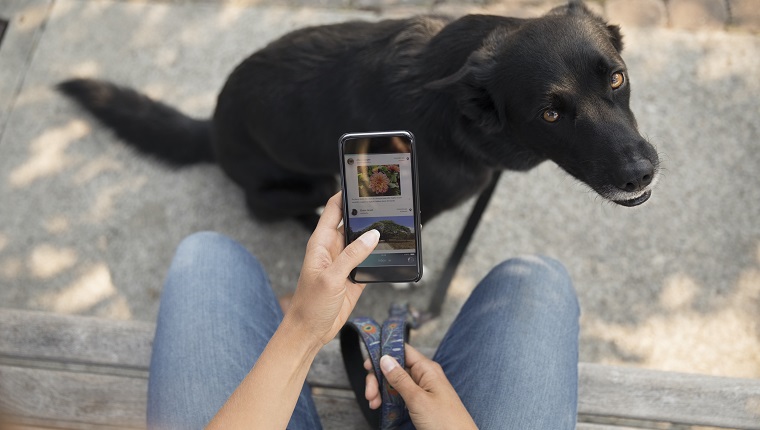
3	26
436	301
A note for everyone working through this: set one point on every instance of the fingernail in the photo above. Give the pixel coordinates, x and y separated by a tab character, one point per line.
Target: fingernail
370	238
388	363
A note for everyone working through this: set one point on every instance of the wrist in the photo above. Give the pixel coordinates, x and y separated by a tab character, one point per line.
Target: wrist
298	333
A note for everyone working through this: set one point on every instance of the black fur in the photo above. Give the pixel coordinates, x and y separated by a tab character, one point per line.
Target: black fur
150	126
472	90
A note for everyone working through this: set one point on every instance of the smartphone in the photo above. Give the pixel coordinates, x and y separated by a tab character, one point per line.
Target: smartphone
379	181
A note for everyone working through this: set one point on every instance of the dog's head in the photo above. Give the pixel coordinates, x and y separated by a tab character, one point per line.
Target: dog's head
557	87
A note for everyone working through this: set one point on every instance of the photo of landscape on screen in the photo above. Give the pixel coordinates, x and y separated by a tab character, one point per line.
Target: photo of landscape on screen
395	232
379	180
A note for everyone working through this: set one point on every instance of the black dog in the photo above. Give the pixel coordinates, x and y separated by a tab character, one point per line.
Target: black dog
480	93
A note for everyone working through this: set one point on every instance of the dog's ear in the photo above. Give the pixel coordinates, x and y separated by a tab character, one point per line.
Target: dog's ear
469	87
578	7
573	7
616	37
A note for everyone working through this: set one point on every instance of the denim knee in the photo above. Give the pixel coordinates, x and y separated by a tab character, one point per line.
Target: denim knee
531	277
197	244
210	254
208	244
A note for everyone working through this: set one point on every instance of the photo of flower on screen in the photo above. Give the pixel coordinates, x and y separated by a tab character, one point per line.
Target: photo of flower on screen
379	180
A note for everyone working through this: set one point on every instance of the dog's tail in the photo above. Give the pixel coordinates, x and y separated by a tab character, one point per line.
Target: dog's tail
150	126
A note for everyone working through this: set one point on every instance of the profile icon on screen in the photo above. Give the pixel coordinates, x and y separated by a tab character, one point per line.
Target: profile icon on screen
354	212
350	161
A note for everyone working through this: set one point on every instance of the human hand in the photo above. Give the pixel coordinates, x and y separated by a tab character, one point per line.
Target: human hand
432	401
325	296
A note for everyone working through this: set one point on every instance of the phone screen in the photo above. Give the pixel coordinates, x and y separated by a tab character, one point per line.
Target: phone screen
380	192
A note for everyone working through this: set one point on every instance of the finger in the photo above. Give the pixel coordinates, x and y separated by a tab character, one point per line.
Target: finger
355	253
412	355
427	374
333	212
376	402
372	389
324	233
398	378
342	232
324	244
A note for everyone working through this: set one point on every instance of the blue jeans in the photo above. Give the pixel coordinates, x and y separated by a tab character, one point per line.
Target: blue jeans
511	353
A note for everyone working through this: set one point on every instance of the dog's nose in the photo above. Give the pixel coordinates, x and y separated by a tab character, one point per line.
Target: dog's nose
635	176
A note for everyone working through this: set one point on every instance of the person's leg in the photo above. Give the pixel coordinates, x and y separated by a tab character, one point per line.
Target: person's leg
512	352
217	314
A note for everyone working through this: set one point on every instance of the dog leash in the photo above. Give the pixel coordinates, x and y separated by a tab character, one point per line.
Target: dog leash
388	339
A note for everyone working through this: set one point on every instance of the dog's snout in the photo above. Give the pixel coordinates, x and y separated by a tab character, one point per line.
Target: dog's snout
635	176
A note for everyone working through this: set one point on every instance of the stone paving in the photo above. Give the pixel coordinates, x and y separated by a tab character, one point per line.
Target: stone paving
88	226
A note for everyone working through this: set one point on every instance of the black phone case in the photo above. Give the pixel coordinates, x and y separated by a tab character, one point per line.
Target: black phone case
415	198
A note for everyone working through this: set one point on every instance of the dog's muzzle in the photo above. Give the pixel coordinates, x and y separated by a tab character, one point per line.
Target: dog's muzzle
634	179
636	200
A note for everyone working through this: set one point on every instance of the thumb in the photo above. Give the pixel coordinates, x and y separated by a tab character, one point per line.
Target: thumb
397	377
356	252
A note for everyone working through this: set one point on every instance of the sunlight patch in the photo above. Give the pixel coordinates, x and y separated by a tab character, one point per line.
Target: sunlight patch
90	289
679	292
48	153
47	261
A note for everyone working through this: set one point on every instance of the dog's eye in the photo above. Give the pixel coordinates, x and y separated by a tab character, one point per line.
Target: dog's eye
616	80
550	115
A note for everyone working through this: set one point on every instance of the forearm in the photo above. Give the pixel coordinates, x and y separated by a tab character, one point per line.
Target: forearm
266	398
